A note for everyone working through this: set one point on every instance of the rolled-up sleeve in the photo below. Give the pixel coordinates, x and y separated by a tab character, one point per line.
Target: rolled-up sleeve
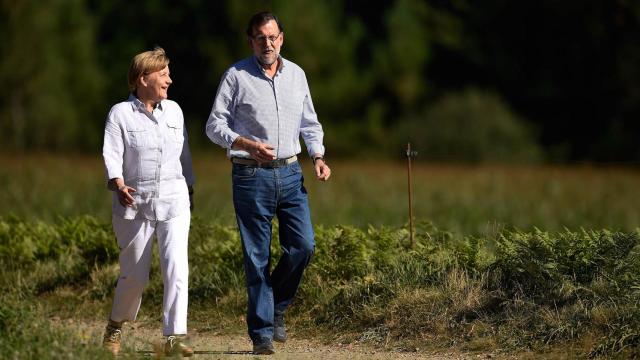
113	147
310	127
218	127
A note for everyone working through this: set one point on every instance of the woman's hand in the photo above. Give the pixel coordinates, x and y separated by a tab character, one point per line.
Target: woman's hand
124	196
123	191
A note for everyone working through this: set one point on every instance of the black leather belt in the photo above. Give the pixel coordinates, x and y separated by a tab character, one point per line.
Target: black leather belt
269	164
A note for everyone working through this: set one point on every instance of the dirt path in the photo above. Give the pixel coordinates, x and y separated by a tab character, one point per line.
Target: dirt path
143	339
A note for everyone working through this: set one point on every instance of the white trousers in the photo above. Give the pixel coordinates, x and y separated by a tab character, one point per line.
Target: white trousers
135	239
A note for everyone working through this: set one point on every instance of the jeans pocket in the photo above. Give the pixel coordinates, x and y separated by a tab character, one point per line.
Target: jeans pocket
295	168
243	171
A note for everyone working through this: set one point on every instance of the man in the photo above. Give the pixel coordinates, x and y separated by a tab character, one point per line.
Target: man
262	106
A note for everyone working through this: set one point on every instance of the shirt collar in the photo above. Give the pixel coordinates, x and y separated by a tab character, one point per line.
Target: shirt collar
136	104
280	64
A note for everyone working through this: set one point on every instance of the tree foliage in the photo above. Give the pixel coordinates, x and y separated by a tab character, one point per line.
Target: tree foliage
567	69
52	82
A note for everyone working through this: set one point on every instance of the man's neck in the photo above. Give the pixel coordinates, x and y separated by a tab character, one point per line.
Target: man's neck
271	69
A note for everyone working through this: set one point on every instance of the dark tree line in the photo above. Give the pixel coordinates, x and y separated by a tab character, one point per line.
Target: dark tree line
495	80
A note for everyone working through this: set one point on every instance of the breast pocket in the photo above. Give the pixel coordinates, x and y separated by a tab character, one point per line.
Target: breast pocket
138	137
175	132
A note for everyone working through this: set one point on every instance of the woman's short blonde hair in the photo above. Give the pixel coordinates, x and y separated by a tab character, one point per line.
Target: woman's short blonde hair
146	63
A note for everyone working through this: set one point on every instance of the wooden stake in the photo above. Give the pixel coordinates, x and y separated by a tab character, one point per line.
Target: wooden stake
409	182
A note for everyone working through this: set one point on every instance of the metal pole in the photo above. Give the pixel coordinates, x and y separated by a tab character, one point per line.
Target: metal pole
409	155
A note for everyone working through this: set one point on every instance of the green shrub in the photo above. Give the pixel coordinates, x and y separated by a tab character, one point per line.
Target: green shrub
215	260
512	289
539	264
23	243
473	125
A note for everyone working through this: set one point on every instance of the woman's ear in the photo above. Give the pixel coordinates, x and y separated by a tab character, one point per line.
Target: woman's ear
142	81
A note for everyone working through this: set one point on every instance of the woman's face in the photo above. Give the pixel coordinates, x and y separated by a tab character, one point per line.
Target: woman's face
154	85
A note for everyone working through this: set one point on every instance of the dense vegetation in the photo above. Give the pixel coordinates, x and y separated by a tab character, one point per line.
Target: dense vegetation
507	290
506	258
467	80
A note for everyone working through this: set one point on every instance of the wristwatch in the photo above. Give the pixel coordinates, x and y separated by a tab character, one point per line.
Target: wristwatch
317	158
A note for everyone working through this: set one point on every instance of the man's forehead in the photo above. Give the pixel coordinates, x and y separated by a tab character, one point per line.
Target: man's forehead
266	27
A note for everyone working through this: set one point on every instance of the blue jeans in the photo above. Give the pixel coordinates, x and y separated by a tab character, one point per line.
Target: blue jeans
258	195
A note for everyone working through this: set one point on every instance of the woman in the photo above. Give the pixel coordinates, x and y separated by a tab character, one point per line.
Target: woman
148	166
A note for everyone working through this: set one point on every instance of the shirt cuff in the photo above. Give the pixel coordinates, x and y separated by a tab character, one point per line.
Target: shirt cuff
316	150
231	139
114	174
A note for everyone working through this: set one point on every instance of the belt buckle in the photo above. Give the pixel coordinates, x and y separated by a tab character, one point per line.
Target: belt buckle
272	164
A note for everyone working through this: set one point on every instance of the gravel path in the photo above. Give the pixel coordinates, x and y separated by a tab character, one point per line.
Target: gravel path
143	339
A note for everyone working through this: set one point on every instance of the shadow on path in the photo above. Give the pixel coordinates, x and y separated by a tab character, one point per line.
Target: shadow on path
202	352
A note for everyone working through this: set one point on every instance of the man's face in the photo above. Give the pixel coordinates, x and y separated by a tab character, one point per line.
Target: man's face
266	42
157	84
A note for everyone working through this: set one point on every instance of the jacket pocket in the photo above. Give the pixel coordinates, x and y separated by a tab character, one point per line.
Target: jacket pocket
175	131
138	137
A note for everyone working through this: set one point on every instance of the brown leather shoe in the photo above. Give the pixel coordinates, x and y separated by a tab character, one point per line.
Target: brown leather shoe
112	338
176	345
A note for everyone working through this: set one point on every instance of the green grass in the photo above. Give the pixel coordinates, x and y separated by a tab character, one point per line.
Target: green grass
507	259
465	199
512	290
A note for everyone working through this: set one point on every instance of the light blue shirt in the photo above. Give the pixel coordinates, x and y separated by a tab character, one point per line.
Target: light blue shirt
150	151
272	111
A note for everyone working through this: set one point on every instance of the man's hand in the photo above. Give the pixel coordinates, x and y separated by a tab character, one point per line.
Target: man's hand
322	170
260	152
